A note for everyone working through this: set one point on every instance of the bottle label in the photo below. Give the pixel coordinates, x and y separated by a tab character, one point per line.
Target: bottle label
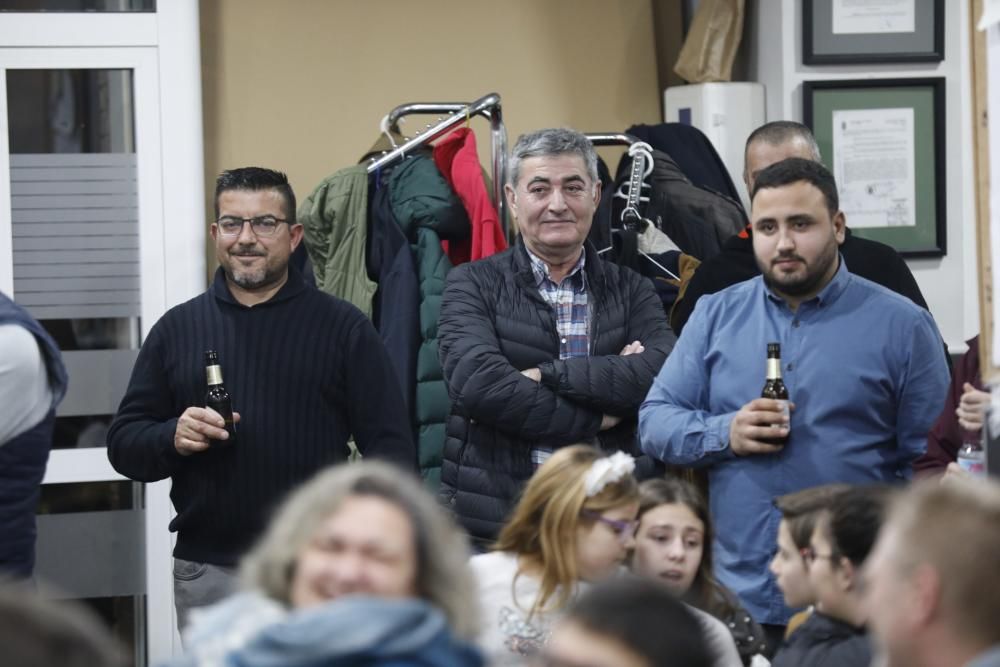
973	465
214	374
773	369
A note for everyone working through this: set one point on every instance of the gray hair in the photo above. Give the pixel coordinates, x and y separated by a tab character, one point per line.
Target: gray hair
443	575
779	131
552	141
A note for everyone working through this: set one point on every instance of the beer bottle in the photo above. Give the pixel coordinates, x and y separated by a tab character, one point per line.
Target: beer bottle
217	397
774	388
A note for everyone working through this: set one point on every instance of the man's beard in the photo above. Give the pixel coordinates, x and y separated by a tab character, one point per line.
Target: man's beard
809	282
250	279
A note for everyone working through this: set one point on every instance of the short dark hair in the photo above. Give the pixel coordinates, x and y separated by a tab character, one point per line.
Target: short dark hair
779	131
855	517
255	179
801	509
795	169
644	616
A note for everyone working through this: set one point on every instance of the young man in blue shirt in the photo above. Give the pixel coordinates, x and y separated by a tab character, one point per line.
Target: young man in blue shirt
863	368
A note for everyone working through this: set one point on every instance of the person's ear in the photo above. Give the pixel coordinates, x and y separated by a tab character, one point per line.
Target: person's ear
847	576
840	226
296	232
925	594
511	198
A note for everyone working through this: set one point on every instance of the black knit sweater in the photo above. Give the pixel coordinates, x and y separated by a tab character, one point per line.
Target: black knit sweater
305	370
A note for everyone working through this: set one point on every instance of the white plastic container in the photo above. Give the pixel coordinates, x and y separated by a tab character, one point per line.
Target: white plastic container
727	112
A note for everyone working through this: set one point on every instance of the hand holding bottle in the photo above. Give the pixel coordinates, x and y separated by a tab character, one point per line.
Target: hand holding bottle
756	426
196	427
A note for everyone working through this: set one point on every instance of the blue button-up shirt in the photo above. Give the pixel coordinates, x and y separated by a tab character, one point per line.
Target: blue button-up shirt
865	370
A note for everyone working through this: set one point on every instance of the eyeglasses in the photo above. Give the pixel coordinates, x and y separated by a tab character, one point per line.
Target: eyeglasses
623	529
262	225
809	555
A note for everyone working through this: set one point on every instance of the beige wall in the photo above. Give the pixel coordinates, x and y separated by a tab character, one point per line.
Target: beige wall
300	85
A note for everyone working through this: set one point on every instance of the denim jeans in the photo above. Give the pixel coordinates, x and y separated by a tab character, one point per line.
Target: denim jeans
199	585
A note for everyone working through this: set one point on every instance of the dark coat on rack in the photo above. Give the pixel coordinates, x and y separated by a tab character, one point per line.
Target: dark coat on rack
494	324
396	306
698	220
693	152
427	211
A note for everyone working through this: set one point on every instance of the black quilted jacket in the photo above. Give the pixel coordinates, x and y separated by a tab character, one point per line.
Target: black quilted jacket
493	325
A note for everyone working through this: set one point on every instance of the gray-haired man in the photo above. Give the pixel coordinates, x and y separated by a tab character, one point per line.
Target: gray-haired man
545	344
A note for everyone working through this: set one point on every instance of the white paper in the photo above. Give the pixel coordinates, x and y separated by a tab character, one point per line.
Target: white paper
990	16
873	162
852	17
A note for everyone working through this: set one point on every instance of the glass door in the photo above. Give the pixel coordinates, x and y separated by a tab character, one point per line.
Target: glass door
82	233
83	246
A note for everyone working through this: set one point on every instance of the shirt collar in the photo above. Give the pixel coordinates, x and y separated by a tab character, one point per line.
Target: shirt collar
540	269
829	294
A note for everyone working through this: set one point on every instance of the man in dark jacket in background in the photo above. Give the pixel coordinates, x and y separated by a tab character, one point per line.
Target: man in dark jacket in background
770	143
545	344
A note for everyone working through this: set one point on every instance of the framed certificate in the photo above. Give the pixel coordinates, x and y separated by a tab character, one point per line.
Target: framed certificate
883	140
872	31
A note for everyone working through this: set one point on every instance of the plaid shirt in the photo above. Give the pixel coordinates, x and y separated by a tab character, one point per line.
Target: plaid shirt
572	309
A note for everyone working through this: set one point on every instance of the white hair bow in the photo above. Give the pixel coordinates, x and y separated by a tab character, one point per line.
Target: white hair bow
606	471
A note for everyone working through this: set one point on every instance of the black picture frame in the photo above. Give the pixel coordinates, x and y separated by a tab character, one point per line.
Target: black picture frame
820	99
820	46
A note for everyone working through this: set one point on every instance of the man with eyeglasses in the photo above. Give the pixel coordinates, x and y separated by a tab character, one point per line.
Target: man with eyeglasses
842	538
305	371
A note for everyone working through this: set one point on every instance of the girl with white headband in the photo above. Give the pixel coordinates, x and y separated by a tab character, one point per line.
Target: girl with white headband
574	525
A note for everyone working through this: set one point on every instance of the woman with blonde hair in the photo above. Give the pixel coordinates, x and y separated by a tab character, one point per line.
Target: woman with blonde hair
573	525
359	566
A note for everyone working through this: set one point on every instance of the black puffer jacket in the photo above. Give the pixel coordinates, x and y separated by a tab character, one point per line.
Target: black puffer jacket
494	324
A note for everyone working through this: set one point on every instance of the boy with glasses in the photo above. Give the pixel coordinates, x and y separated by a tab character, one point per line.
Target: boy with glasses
835	634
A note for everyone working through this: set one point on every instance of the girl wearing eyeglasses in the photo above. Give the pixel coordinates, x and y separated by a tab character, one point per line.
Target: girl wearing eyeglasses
673	545
573	525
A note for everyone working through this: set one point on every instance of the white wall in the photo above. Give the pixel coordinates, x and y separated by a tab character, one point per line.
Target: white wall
950	283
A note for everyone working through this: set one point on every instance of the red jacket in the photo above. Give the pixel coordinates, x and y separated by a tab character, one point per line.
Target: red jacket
456	158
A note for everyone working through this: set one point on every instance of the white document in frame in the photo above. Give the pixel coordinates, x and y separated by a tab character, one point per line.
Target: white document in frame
851	17
873	162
